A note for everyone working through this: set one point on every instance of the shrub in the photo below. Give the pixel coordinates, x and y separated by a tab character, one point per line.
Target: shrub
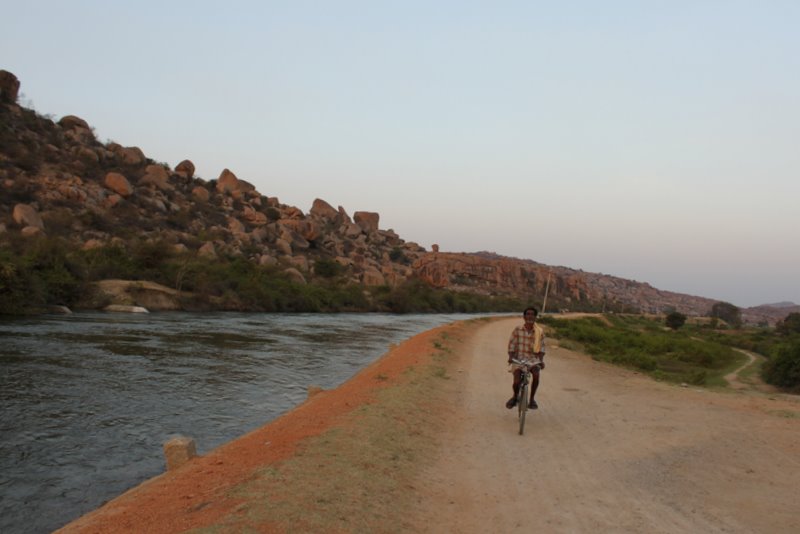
783	368
397	255
675	320
328	268
790	324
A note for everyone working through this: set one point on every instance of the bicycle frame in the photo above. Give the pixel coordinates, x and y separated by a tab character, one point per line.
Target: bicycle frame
522	396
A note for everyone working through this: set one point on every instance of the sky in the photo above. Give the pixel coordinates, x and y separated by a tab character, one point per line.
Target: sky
651	140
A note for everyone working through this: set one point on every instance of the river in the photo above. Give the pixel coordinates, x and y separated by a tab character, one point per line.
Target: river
89	399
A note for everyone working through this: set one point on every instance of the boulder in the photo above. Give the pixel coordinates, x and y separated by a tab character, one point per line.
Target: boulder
185	168
30	231
301	262
156	175
367	220
9	87
345	217
119	184
201	193
138	296
306	229
111	200
292	212
92	244
267	261
351	230
295	275
207	250
25	215
373	277
229	183
254	217
71	122
128	155
322	209
283	246
86	155
124	308
236	226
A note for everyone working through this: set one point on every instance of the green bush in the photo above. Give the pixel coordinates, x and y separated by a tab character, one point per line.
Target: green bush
675	320
328	268
790	324
783	368
38	272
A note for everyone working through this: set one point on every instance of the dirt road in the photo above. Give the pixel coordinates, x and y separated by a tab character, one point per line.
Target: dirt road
610	450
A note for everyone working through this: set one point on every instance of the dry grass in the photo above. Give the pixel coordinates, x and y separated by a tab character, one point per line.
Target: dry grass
358	476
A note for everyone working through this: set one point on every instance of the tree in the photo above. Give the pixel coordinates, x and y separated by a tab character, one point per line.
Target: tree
790	324
675	320
783	367
728	313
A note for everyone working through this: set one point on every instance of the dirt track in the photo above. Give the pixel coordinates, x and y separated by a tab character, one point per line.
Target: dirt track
610	450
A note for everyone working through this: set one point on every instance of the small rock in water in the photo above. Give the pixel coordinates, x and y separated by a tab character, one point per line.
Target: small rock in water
125	309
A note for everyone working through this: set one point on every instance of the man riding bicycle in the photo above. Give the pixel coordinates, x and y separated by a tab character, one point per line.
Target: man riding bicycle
527	343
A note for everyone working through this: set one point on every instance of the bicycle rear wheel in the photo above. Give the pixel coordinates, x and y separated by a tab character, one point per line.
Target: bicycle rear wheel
522	402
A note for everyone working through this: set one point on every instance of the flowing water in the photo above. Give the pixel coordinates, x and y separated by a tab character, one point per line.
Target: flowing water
89	399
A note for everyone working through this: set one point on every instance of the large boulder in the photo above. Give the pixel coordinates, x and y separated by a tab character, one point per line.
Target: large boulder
185	168
70	122
306	229
77	129
229	183
27	216
201	193
295	275
367	220
157	176
236	226
9	87
119	184
373	277
140	293
132	155
254	217
322	209
208	250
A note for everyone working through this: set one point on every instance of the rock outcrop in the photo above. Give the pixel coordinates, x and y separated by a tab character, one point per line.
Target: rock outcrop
9	87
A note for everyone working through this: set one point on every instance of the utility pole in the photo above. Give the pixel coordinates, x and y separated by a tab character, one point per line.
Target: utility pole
546	289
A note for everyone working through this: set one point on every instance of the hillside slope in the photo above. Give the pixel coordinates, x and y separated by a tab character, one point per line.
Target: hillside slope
57	179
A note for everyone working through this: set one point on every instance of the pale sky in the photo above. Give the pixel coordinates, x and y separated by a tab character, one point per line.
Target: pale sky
651	140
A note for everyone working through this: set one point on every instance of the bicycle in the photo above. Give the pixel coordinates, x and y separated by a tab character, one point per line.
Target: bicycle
522	396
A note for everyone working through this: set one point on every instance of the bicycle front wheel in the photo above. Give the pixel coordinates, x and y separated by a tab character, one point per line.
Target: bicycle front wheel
522	402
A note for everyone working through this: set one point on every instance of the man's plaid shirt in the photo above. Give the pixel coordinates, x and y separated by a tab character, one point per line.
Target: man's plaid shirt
525	343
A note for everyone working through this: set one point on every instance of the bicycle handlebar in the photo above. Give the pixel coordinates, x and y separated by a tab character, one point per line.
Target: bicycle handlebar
529	364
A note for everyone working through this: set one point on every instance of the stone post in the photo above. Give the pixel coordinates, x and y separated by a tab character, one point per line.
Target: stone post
178	451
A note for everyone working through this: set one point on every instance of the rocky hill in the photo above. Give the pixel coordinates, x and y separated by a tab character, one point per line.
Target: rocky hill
58	179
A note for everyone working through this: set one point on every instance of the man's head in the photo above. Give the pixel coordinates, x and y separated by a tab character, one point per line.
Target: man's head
530	314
